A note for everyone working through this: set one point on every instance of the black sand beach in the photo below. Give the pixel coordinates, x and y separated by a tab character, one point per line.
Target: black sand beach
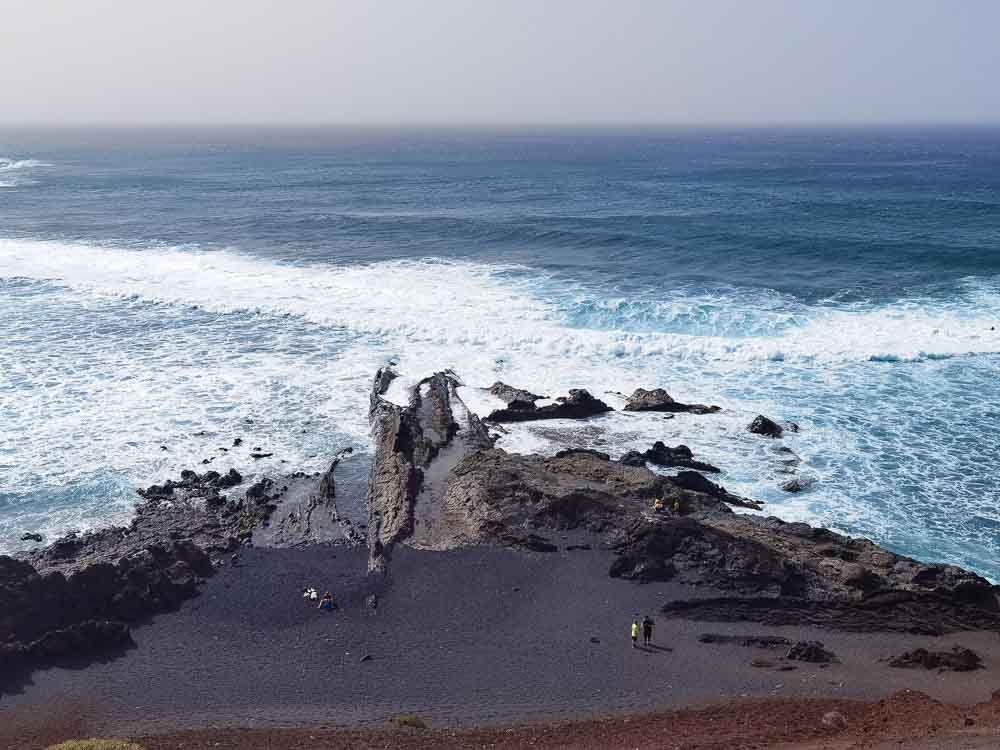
470	637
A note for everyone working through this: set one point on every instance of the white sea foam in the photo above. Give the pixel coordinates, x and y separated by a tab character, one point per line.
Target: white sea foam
116	351
9	165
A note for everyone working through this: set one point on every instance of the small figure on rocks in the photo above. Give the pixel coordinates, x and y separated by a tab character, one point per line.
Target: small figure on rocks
658	506
310	594
328	603
647	630
635	634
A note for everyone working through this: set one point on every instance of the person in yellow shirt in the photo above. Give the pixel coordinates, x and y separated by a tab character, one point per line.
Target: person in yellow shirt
635	634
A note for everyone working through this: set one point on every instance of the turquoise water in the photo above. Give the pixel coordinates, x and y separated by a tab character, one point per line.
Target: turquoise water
162	292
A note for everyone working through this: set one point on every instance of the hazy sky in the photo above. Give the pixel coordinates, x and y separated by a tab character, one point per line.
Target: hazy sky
505	61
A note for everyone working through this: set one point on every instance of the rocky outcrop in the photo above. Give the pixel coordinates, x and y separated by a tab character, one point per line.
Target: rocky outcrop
663	455
416	446
579	404
77	595
695	482
658	399
958	660
80	593
761	425
696	552
304	510
438	482
509	394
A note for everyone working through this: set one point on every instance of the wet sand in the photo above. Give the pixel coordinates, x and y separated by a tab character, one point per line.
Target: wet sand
478	637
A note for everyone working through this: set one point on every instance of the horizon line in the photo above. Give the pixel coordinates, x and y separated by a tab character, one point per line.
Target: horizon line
501	125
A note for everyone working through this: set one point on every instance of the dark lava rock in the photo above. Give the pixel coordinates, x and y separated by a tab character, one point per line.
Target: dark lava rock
58	606
761	425
237	442
958	659
704	555
695	482
256	455
509	394
260	489
409	441
659	400
31	537
810	651
664	455
579	404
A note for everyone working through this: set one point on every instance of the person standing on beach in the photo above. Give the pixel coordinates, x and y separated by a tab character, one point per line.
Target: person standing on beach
635	634
647	630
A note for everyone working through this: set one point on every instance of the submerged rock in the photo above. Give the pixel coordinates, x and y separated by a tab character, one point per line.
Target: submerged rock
761	425
659	400
579	404
799	484
705	555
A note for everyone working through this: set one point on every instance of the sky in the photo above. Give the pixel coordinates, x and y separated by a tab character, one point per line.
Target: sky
461	62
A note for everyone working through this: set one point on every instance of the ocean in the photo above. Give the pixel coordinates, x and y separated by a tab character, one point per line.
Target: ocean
163	292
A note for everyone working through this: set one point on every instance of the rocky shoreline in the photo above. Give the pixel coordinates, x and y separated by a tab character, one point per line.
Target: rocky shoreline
438	482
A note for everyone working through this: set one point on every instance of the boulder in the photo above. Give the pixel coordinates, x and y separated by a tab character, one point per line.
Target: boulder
761	425
810	651
658	399
509	394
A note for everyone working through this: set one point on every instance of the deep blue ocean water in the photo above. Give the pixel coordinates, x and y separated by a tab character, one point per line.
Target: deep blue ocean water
164	291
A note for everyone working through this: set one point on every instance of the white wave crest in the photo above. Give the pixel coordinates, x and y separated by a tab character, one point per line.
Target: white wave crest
10	165
496	310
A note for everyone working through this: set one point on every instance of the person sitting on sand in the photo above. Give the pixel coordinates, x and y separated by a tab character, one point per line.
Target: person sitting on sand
658	506
310	594
635	634
647	630
328	603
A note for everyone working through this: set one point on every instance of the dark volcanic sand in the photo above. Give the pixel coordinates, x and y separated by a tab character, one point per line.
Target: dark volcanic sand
479	636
